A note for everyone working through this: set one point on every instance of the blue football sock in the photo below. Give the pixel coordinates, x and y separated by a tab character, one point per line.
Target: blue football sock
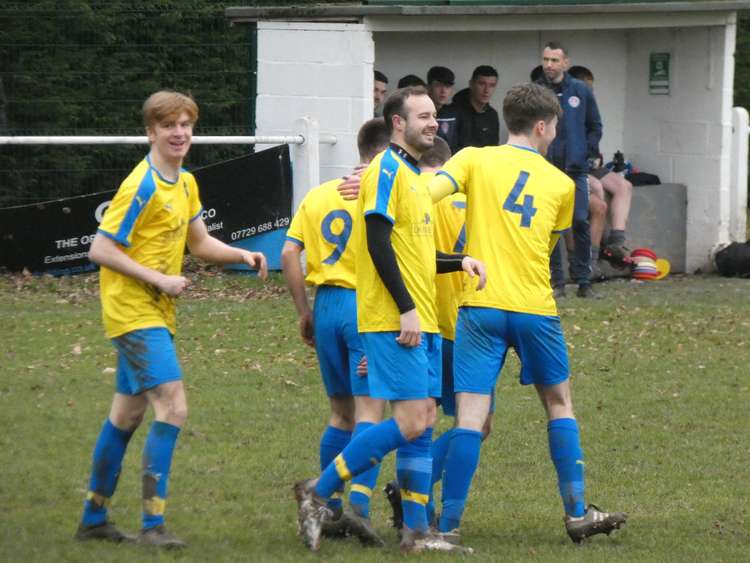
363	452
364	483
157	459
414	473
460	465
332	443
439	452
107	464
567	455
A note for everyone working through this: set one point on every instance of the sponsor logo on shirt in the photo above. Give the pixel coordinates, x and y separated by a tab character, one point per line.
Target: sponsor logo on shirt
422	228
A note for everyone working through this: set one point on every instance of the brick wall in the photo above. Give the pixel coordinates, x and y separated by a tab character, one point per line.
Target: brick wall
685	137
318	70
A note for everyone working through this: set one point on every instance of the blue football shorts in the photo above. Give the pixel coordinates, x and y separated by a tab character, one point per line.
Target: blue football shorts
483	336
448	398
337	341
398	373
145	358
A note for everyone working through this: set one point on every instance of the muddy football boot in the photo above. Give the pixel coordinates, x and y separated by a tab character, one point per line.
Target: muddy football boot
454	536
413	541
617	255
337	527
159	537
361	528
595	521
104	532
393	494
312	513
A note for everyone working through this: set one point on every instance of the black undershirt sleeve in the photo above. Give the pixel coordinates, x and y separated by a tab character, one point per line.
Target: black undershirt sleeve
384	258
449	262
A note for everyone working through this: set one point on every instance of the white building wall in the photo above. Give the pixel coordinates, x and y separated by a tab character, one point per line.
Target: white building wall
685	137
317	70
514	55
325	71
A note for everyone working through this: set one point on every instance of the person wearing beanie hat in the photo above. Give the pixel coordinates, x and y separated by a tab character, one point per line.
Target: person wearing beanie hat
440	82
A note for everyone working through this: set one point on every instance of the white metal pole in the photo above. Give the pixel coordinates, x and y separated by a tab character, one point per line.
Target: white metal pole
738	188
142	140
305	160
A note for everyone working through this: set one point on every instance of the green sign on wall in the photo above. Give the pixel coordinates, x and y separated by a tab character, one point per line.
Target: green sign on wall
658	74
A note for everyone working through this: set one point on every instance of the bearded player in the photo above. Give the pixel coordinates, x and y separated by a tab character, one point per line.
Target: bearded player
323	226
396	267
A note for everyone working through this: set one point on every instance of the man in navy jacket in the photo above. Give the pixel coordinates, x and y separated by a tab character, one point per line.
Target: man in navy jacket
577	141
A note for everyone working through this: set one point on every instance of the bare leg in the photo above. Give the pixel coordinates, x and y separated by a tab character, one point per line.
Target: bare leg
342	412
622	193
597	217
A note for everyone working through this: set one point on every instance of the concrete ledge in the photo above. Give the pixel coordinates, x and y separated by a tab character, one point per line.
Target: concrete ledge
658	220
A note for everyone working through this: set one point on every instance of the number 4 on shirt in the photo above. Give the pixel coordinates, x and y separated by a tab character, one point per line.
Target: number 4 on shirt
527	210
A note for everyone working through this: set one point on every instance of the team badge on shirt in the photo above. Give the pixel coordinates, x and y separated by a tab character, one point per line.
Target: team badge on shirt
574	101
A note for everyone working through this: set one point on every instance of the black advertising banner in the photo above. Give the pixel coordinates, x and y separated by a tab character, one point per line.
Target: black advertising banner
247	196
241	198
51	237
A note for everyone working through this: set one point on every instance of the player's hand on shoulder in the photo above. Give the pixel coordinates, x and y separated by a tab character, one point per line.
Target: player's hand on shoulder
362	367
172	285
306	329
349	188
475	267
410	335
257	261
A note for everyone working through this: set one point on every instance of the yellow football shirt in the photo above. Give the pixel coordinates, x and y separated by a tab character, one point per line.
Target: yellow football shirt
391	187
516	203
450	237
148	218
323	226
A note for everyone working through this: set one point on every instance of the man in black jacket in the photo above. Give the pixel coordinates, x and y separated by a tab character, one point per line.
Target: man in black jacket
440	82
478	121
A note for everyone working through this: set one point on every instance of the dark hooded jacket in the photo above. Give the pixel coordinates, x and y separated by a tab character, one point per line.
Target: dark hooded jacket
475	129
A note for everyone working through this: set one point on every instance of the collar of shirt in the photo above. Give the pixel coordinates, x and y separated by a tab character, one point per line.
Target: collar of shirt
401	152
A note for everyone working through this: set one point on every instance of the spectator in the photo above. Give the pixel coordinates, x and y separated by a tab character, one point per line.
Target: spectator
479	124
577	140
597	204
582	73
411	80
597	219
617	187
440	82
537	73
379	91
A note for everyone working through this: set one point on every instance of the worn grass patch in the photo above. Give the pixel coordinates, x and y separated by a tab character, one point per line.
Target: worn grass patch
660	379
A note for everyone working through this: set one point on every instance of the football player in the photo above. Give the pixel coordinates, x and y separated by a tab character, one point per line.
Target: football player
517	206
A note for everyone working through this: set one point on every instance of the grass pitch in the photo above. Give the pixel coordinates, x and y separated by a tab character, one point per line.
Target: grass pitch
661	383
